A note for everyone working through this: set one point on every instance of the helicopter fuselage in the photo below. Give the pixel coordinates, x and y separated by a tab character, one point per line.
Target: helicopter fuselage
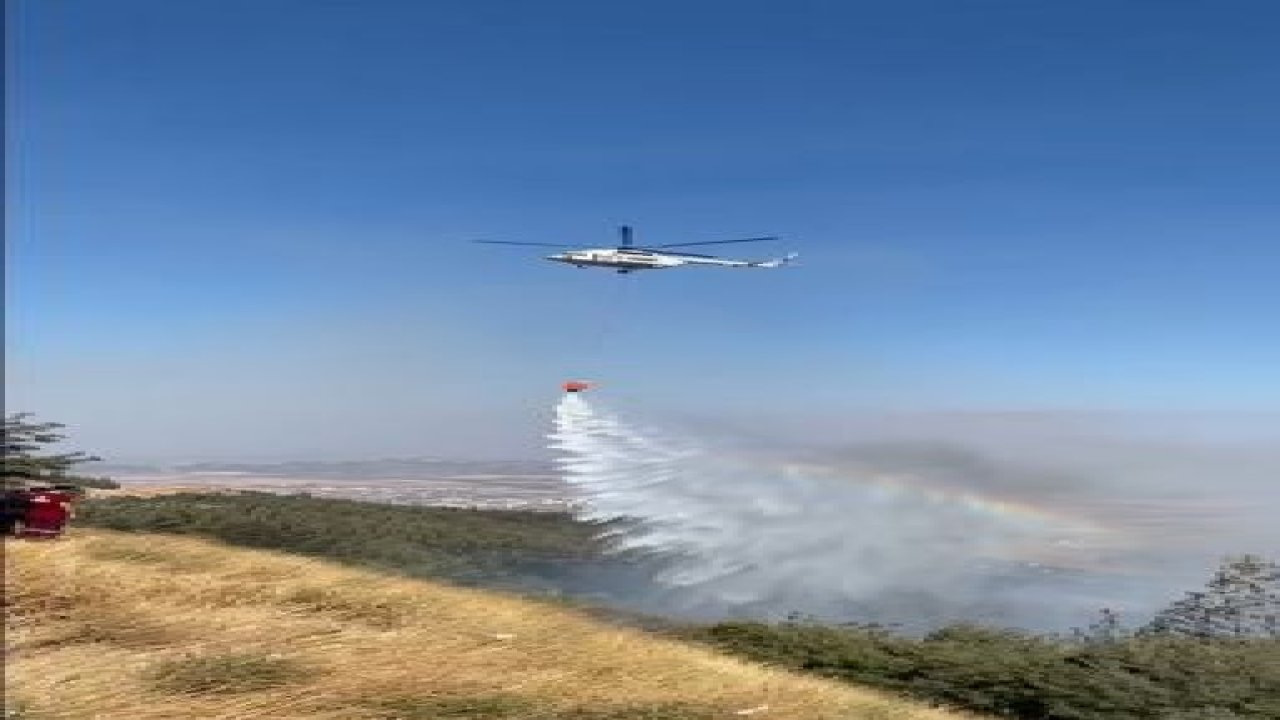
627	260
628	256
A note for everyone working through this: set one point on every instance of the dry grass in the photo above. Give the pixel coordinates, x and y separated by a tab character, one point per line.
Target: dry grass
108	625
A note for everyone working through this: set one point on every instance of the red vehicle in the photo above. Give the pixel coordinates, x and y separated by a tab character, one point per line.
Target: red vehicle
46	514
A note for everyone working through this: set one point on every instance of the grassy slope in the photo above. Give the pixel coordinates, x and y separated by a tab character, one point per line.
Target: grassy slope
111	625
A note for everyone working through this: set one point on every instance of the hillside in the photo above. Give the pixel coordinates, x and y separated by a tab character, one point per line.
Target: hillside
1104	672
112	625
539	552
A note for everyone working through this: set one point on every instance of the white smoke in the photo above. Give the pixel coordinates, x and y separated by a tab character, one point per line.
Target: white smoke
742	533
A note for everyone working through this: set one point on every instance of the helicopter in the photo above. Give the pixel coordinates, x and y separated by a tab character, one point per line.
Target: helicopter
628	257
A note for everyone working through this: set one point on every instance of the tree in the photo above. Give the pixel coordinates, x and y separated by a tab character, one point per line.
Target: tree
1107	628
1242	601
26	458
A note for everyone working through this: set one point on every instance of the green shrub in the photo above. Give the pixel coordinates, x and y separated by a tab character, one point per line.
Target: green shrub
470	546
1013	674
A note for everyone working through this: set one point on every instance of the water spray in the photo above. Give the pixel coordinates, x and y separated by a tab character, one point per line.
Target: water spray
737	532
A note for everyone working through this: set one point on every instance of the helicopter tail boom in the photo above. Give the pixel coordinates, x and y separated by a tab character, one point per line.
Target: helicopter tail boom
776	262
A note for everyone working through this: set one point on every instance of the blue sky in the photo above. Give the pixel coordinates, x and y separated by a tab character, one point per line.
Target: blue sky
240	228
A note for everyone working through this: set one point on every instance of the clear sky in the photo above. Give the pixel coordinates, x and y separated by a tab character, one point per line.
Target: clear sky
241	228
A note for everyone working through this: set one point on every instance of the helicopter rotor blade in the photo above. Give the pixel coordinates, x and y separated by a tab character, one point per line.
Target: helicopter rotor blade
715	242
511	242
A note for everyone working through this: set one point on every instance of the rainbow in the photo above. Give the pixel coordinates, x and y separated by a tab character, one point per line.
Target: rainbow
934	492
1077	541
